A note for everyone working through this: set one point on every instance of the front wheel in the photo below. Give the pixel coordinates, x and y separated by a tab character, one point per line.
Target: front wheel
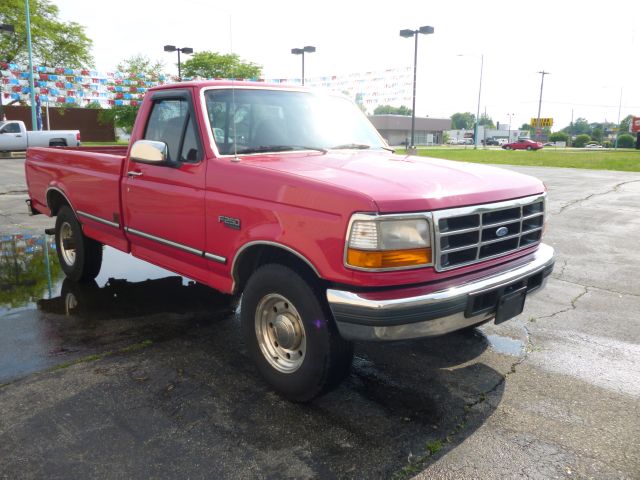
80	256
529	148
291	336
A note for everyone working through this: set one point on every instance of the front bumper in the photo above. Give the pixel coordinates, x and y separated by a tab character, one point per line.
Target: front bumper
396	316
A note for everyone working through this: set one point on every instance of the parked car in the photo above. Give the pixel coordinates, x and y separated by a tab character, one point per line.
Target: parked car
324	235
15	137
593	145
491	141
524	144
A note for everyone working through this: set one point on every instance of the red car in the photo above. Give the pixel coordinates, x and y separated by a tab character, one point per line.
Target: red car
524	144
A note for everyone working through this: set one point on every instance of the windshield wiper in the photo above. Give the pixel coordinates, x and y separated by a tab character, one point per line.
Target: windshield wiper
280	148
355	146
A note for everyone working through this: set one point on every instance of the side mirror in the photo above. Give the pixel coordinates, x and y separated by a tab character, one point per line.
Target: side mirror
151	152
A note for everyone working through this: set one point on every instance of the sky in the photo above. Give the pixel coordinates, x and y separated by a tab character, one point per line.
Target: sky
591	49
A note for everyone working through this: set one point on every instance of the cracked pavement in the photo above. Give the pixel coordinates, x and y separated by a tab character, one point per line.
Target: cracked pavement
145	381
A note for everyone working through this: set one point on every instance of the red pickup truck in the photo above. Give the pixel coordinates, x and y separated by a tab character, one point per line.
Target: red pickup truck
291	199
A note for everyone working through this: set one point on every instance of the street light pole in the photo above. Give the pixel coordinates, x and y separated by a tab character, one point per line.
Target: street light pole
408	33
475	133
301	51
619	111
510	115
185	50
475	127
538	129
32	93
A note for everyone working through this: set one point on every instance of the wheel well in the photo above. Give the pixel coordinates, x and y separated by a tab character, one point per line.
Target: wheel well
55	200
257	255
57	142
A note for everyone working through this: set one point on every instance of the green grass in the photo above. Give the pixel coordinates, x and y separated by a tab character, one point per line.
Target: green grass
626	160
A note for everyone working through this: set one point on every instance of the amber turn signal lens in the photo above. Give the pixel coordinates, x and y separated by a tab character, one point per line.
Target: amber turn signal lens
389	258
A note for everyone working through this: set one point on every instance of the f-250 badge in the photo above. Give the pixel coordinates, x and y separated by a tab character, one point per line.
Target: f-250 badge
230	222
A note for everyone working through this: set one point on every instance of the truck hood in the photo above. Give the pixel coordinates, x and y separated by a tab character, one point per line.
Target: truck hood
399	183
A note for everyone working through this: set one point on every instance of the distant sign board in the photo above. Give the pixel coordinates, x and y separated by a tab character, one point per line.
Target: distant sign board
634	126
544	122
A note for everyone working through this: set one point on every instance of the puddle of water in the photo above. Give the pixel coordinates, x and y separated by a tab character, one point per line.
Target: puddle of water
45	317
506	345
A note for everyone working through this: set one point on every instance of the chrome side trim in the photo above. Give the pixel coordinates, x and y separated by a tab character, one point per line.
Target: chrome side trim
424	315
234	273
98	219
215	258
179	246
164	241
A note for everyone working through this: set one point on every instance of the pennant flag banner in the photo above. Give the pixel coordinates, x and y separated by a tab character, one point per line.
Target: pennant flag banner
81	87
75	87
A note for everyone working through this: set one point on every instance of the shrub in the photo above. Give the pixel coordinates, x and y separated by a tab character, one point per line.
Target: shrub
606	144
626	141
559	137
581	140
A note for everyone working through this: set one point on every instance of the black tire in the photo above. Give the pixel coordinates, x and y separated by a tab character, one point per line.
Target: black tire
84	265
327	356
507	148
529	148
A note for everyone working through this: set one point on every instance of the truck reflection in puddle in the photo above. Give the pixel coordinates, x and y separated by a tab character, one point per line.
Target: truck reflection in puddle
45	320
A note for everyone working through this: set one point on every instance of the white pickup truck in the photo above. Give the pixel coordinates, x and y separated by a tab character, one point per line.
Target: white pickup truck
14	136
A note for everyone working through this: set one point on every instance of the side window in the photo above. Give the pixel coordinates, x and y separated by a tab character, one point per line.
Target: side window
171	123
190	150
11	128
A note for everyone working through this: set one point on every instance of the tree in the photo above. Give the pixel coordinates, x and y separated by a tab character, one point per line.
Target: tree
581	140
54	43
597	134
559	137
124	116
460	121
626	141
208	64
625	123
139	63
579	127
486	121
389	110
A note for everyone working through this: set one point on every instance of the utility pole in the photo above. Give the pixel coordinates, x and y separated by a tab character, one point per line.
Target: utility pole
543	73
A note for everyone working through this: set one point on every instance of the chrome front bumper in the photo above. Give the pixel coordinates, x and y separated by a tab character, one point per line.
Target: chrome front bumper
363	316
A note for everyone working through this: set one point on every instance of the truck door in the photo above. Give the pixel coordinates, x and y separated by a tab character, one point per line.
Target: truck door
12	137
163	206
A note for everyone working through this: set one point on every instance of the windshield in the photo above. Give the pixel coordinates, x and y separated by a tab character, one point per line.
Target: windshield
257	120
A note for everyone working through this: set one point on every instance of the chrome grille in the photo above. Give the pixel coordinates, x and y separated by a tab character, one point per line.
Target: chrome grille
468	235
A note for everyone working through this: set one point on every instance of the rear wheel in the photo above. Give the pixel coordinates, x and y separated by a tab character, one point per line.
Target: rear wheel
507	147
291	336
80	257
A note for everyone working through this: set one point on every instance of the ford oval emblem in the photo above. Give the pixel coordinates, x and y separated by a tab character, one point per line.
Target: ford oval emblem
502	231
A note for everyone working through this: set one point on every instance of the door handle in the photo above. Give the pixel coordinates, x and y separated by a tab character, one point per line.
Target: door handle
134	174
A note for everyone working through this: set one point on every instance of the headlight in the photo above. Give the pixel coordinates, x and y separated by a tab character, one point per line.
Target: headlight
389	244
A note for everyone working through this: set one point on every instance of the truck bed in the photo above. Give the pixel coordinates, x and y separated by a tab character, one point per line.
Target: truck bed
89	178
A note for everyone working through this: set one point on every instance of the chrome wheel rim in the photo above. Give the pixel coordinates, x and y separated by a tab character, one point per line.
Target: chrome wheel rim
67	247
280	333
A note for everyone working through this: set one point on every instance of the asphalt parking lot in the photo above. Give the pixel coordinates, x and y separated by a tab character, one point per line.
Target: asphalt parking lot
143	374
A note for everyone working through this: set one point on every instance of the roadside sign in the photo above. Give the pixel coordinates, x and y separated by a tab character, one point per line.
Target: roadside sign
634	126
544	122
